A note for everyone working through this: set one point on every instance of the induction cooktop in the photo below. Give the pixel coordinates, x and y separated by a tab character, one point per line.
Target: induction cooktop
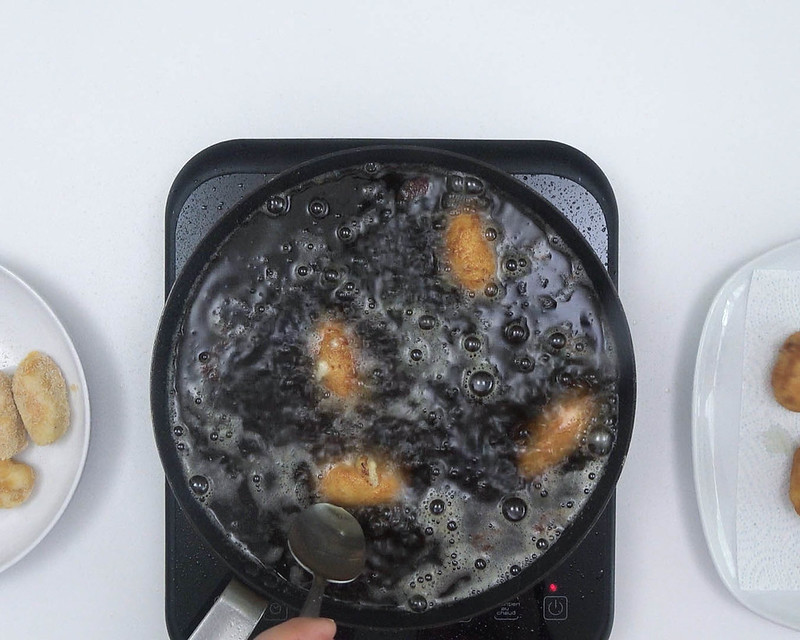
576	600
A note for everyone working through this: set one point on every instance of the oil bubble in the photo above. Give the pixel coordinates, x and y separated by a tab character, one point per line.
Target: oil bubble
426	322
490	234
491	290
302	271
511	265
318	208
557	340
371	167
418	603
600	441
542	543
330	276
455	183
452	525
515	570
480	563
472	343
517	332
277	205
481	383
514	509
473	185
437	506
344	234
199	485
524	364
203	357
416	355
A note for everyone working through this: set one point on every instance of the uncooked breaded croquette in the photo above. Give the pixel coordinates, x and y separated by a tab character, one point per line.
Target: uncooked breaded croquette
336	360
470	255
40	394
556	433
13	438
362	482
16	483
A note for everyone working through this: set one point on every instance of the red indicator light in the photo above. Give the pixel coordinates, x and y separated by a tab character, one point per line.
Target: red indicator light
553	587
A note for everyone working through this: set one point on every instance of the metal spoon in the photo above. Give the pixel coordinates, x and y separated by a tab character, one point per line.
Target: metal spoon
328	543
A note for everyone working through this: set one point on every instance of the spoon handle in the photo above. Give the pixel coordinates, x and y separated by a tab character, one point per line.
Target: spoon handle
313	601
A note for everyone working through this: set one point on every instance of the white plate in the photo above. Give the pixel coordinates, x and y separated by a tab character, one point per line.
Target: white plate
716	410
28	324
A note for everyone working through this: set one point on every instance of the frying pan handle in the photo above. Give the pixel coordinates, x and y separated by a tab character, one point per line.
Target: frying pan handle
313	601
233	616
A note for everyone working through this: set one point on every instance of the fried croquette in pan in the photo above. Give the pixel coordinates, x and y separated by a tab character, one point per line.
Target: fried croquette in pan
362	482
556	433
335	364
470	255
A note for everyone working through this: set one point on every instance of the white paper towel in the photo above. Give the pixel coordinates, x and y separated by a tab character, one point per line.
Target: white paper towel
767	527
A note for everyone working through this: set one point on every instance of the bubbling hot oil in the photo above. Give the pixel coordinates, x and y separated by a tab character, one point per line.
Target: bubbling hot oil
448	380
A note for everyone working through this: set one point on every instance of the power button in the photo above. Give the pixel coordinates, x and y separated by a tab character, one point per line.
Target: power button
554	607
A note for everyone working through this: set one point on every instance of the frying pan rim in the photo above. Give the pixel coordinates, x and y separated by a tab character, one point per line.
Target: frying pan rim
193	269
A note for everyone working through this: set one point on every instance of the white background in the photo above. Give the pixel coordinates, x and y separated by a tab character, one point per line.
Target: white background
689	108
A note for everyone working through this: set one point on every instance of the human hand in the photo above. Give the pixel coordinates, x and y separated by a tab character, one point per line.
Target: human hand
301	629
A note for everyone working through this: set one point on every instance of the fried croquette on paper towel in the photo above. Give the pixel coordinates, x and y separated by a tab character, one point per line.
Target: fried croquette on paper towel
40	394
785	378
13	437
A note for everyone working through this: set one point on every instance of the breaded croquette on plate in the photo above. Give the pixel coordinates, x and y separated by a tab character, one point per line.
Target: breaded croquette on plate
363	482
40	394
470	255
556	433
13	438
336	360
16	483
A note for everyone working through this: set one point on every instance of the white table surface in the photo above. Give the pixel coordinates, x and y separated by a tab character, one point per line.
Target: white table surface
689	108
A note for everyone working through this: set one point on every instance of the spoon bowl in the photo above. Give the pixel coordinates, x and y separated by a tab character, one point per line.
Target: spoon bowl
329	543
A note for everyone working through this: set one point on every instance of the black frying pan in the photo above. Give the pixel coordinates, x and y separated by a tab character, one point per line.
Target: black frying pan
267	582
